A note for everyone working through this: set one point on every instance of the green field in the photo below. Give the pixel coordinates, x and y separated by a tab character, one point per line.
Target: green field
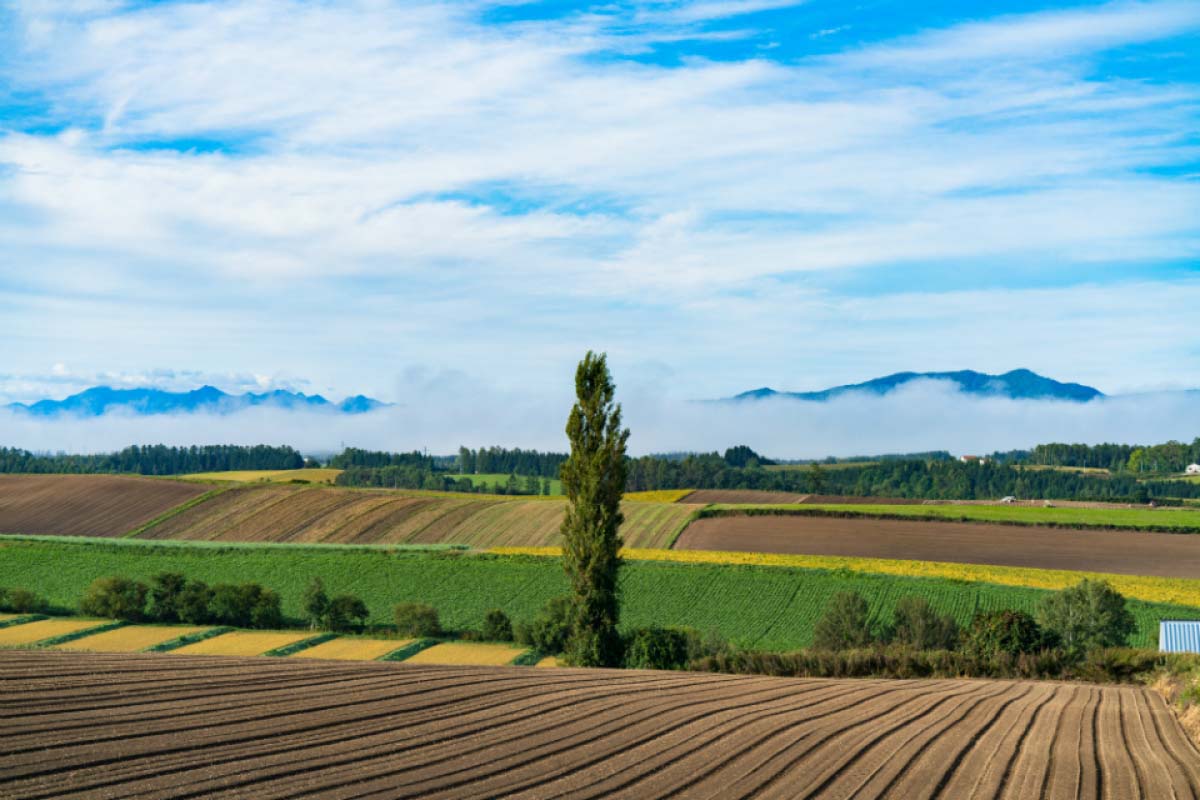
763	607
1172	520
493	479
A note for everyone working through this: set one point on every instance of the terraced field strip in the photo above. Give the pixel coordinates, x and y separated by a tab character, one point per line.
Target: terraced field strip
467	653
129	638
315	475
87	505
657	496
347	649
242	643
133	726
548	661
40	631
298	514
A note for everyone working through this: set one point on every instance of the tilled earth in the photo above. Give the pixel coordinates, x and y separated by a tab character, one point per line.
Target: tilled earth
76	725
1166	555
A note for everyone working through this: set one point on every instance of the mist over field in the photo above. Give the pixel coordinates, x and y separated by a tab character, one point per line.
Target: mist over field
442	415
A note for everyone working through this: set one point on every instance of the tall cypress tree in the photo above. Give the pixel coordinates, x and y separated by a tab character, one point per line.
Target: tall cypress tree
593	479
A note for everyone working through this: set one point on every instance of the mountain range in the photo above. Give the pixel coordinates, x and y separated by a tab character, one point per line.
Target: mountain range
1019	384
100	400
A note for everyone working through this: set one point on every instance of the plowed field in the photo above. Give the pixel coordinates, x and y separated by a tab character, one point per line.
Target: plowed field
279	513
138	726
1161	554
774	498
86	505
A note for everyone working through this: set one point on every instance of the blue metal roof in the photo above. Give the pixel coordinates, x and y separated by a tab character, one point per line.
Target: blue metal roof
1179	636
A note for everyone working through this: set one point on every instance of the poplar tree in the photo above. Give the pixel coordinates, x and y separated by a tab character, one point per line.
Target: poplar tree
593	479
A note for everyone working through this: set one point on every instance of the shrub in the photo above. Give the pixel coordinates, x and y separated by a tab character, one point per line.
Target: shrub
165	591
656	648
497	627
116	597
705	645
551	629
1089	615
246	605
417	619
1009	632
915	624
192	604
21	601
845	623
345	613
315	603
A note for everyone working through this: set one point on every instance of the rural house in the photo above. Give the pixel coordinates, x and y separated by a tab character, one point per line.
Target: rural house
1192	469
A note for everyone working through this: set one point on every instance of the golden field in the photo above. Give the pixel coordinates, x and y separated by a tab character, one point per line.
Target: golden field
657	496
1181	591
32	632
242	643
268	475
476	654
128	639
353	649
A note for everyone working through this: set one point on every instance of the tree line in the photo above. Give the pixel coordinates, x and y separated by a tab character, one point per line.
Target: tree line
1168	457
156	460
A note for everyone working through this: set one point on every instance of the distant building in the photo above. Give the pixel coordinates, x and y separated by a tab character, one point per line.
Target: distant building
1008	500
1192	469
1179	636
973	459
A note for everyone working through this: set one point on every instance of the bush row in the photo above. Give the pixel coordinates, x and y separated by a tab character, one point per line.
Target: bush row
171	597
20	601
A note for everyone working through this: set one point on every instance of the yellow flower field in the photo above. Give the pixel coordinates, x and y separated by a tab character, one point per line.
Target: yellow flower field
128	639
659	496
32	632
353	649
242	643
475	654
1182	591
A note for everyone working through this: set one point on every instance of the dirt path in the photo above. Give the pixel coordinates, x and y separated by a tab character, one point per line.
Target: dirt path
1123	552
88	725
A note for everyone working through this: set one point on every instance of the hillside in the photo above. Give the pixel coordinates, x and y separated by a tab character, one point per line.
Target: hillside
1018	384
87	505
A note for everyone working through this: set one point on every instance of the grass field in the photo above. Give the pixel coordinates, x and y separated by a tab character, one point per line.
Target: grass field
769	607
353	649
284	513
1160	519
129	638
494	479
267	475
467	653
243	643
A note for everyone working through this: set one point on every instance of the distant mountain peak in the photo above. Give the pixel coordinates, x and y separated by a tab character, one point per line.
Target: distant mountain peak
100	400
1017	384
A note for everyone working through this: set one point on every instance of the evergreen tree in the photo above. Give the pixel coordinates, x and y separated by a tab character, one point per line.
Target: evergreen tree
594	478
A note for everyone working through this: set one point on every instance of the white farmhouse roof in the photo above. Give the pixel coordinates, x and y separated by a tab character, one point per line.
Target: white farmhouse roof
1193	469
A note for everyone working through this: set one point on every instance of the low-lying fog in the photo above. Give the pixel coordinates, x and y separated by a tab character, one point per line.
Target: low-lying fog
929	415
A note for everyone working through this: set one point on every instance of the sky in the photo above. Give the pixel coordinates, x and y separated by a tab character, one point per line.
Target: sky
397	197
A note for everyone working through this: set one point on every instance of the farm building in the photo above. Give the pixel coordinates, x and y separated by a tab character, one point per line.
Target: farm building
1192	469
973	459
1179	636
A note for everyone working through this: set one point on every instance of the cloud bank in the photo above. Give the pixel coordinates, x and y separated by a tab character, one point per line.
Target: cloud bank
920	416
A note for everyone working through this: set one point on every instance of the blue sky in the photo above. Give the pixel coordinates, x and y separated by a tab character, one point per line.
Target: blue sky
367	196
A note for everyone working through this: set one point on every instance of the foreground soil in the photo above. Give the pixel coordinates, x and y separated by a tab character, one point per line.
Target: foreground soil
87	505
139	726
1123	552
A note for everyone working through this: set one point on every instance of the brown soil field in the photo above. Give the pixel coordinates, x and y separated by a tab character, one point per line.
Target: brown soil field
96	726
283	513
87	505
1124	552
704	496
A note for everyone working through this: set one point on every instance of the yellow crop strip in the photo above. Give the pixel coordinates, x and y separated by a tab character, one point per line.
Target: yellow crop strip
1181	591
128	639
548	661
241	643
32	632
315	475
475	654
353	649
659	496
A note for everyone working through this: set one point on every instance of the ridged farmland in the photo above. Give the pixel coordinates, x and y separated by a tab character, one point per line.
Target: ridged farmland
282	513
87	505
93	726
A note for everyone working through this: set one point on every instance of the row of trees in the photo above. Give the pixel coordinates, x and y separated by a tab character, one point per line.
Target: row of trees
156	460
1169	457
354	457
489	460
171	597
417	478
